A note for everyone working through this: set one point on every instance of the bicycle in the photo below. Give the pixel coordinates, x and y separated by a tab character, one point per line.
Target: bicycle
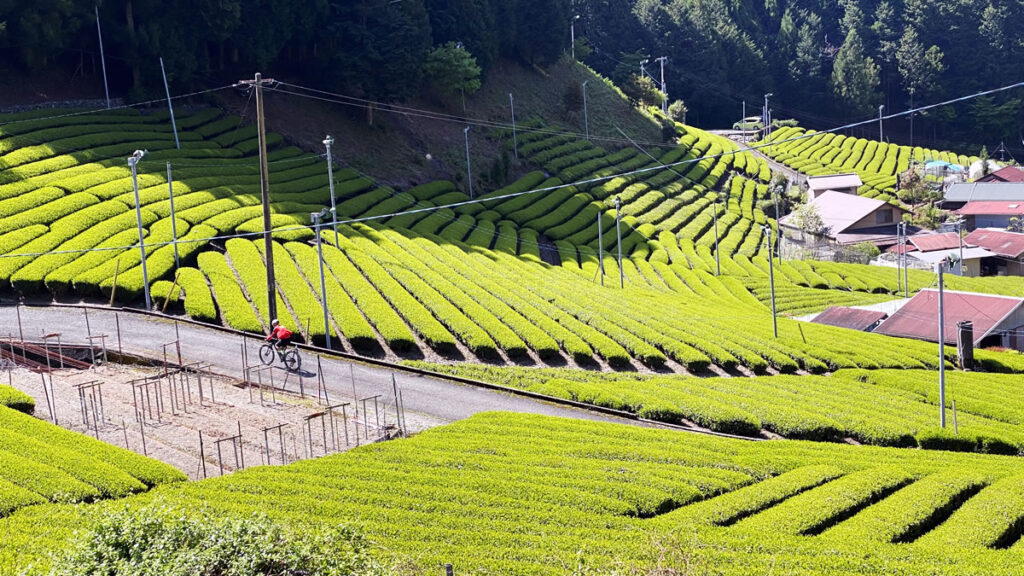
288	356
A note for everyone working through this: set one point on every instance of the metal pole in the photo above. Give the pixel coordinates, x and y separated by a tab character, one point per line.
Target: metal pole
911	123
330	178
906	281
771	281
586	117
167	90
600	246
469	172
773	247
942	355
174	225
202	453
103	59
899	257
960	237
880	108
618	233
515	141
664	90
718	262
323	287
394	390
132	161
572	35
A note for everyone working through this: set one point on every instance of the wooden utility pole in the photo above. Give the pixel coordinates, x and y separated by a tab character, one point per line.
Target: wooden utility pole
268	242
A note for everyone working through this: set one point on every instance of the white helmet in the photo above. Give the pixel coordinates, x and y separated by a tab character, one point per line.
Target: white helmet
274	322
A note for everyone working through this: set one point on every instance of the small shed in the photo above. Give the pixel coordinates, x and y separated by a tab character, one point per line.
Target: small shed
972	258
842	183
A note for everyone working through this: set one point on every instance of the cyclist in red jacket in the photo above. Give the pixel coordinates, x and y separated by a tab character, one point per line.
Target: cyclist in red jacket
279	335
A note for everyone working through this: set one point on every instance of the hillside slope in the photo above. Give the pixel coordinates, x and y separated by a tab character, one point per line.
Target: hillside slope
394	149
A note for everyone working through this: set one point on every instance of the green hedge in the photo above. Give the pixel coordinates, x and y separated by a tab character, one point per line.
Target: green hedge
148	471
17	400
368	300
235	309
247	260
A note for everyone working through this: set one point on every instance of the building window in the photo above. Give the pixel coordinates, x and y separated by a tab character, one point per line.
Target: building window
883	217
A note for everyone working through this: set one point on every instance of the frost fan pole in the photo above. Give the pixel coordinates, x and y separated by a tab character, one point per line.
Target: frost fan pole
600	247
317	218
167	90
942	354
268	242
103	59
618	233
771	279
174	226
330	177
718	263
899	257
132	161
515	140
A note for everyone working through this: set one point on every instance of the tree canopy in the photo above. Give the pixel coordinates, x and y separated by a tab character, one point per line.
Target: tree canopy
372	48
825	62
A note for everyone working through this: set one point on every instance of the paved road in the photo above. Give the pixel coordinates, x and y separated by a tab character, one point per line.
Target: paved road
433	398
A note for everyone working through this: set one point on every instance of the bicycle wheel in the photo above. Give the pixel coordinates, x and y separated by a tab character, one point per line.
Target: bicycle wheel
292	360
267	354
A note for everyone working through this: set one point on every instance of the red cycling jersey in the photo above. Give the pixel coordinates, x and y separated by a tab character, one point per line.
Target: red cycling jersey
280	332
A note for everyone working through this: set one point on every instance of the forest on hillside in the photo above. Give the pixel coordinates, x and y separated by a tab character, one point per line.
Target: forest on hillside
825	62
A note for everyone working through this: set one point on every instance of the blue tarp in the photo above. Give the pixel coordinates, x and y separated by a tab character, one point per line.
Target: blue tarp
942	165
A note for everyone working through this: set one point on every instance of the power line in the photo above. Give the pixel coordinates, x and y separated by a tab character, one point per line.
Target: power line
122	107
557	187
439	116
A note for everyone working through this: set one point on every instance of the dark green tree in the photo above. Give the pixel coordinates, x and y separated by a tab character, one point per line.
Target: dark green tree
41	30
855	76
452	70
376	50
542	30
471	22
919	68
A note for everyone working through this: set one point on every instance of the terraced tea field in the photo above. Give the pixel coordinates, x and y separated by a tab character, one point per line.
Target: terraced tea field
40	462
518	494
501	279
880	407
877	163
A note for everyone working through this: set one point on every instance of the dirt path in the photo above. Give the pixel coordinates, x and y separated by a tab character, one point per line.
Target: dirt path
226	410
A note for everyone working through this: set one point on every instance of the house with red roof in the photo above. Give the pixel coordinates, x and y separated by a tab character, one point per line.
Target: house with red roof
1006	174
998	320
1007	247
929	241
991	214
